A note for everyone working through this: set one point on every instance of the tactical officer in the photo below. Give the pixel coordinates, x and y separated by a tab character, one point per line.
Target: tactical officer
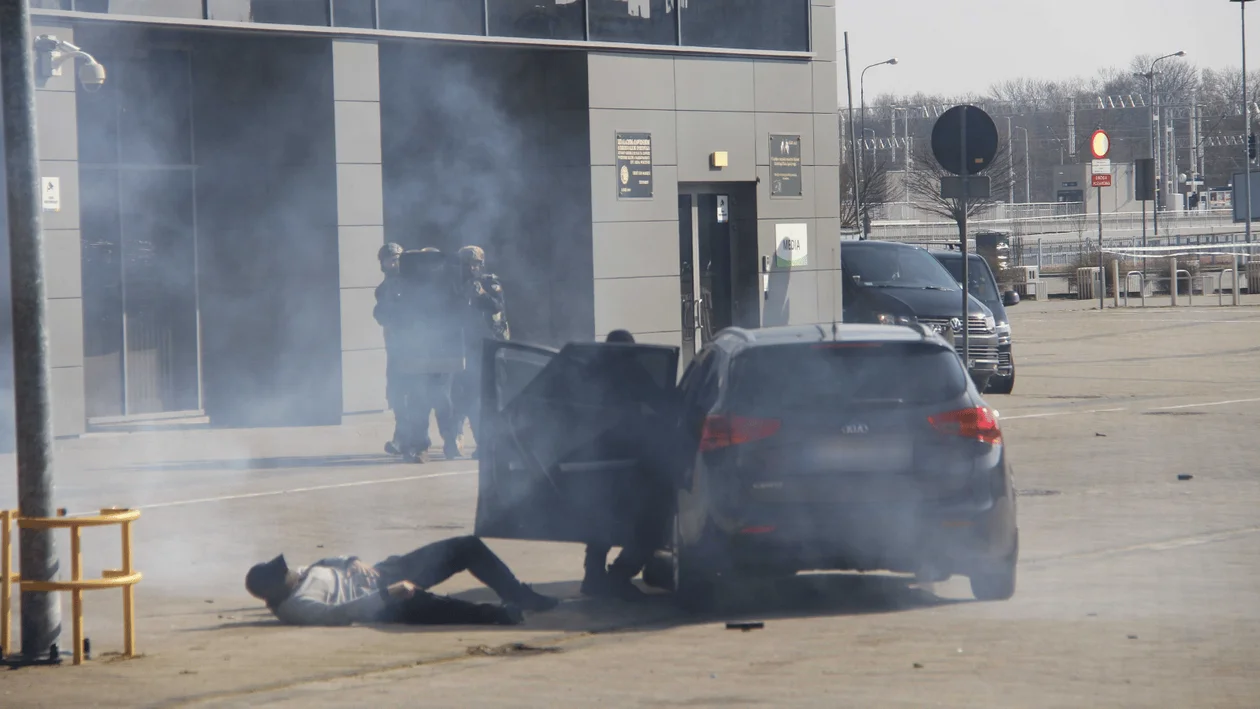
389	256
655	508
428	350
483	305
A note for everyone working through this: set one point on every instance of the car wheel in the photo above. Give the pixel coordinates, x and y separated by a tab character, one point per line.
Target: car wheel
1002	385
996	582
695	588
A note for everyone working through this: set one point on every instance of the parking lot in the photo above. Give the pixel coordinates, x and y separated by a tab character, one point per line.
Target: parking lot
1136	588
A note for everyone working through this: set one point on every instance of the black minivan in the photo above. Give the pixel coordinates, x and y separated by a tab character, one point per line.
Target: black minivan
985	287
886	283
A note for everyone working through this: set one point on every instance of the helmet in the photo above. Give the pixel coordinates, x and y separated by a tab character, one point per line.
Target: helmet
472	254
390	250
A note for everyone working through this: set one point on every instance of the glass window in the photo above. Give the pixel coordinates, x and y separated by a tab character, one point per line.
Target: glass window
781	25
544	19
190	9
228	10
832	375
442	16
51	5
637	21
291	12
895	267
353	13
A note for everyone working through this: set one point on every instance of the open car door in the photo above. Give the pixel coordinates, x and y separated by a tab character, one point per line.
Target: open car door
569	436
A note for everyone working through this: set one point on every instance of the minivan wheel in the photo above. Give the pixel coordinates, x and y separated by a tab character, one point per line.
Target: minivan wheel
996	582
1002	385
695	588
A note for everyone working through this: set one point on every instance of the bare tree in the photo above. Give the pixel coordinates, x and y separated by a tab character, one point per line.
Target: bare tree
924	183
876	192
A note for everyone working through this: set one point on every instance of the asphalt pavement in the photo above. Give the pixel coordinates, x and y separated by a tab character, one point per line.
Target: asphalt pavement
1136	588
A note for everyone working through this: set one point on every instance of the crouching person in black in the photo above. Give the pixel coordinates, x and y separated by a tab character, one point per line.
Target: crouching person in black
344	590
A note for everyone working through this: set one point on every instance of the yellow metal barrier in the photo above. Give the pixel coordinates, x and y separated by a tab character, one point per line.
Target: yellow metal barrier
125	578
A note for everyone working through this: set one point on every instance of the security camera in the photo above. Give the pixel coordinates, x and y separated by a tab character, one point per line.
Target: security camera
92	75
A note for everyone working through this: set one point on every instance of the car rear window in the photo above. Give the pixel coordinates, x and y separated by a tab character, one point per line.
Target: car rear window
822	374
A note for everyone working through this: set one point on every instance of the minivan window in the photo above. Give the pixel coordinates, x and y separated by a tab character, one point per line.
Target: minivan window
981	282
830	374
896	268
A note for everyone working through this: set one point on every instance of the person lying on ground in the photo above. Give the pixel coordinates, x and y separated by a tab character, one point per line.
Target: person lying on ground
344	590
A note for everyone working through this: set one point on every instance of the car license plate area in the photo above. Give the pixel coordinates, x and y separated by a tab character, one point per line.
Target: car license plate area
875	455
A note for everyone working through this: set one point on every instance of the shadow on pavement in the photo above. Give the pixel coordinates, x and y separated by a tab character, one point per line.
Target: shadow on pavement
276	463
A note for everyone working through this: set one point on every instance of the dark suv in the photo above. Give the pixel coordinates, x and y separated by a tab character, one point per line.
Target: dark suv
985	287
785	449
886	283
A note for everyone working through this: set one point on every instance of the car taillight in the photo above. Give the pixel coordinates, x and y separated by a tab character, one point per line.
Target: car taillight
980	423
723	431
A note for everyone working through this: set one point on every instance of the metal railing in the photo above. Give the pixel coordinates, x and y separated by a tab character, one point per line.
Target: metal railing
1141	286
125	578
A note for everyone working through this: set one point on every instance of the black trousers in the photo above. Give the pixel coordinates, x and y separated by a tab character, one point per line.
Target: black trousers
466	401
422	394
432	564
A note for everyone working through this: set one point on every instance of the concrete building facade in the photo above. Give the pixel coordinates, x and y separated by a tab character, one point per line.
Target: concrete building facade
665	166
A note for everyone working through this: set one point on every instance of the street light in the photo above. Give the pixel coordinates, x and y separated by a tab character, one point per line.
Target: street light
1242	4
862	86
1150	78
1027	167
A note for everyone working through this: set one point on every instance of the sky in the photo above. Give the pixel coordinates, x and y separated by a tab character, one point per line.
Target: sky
959	46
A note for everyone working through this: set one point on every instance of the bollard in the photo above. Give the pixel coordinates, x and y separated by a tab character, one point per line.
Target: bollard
1115	282
1172	279
1236	272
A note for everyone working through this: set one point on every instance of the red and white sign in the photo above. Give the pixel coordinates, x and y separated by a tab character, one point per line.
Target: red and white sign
1100	145
1100	181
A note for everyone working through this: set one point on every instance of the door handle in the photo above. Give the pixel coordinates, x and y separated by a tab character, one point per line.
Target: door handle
688	314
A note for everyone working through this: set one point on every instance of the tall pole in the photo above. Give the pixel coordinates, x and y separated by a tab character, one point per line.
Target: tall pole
962	229
1150	78
1010	141
1027	170
857	181
41	611
1102	265
1156	146
1247	118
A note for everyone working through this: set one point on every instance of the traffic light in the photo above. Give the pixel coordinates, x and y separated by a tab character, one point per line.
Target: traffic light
1251	146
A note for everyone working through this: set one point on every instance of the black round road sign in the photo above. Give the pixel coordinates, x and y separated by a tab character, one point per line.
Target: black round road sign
982	140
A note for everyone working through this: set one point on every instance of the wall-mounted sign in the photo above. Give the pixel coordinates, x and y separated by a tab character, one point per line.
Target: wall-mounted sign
634	166
791	245
50	192
785	165
723	209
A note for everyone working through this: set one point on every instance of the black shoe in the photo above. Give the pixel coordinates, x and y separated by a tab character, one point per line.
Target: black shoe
392	449
594	584
531	600
451	451
624	588
509	615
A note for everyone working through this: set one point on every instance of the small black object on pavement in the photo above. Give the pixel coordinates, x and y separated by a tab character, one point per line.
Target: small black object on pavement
752	625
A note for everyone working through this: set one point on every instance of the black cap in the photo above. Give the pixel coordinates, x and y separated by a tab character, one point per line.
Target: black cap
622	336
267	580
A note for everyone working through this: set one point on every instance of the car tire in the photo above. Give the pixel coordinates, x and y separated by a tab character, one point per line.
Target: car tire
1002	385
997	582
695	587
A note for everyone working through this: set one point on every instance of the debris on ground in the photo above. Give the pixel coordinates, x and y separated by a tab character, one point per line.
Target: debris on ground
747	626
1183	476
1100	435
510	649
1133	637
918	666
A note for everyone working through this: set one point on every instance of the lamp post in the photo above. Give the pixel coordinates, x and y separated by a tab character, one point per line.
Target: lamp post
862	88
1027	167
1151	105
1242	5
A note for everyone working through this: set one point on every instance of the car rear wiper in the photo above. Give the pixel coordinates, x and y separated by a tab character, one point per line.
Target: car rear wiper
947	290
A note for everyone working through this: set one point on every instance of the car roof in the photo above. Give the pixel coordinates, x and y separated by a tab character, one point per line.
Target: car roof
955	256
740	338
868	244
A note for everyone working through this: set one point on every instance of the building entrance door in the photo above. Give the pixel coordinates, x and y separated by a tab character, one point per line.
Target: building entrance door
717	249
139	256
